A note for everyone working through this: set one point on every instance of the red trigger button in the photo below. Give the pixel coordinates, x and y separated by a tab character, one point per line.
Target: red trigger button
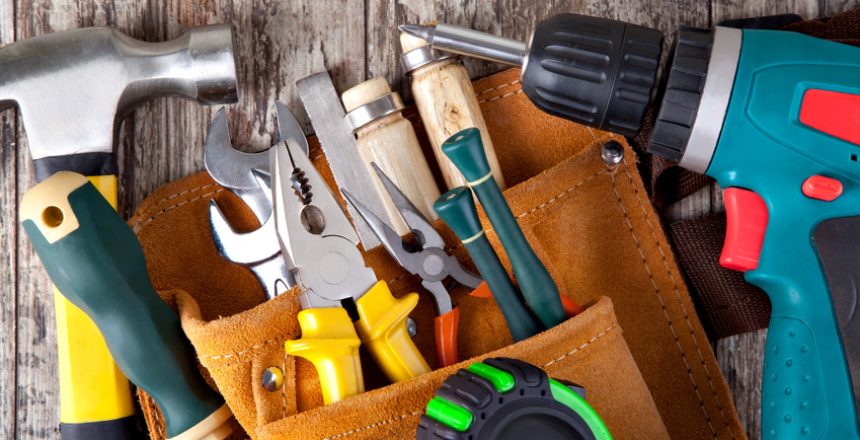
746	222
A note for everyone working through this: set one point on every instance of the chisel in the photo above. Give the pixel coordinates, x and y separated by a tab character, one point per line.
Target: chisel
95	259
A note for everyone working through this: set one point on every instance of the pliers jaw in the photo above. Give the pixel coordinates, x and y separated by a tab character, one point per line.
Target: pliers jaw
314	232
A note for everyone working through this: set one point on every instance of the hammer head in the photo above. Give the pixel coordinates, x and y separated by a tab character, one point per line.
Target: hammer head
73	87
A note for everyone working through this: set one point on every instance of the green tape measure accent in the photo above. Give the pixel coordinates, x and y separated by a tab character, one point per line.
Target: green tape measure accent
570	399
501	380
449	413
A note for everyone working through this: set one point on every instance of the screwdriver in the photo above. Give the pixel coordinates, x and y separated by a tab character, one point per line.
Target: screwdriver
594	71
457	208
466	152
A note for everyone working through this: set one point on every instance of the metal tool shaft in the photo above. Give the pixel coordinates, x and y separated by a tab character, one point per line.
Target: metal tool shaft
464	41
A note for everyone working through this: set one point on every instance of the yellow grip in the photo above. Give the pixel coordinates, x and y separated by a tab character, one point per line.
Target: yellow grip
330	343
382	328
92	388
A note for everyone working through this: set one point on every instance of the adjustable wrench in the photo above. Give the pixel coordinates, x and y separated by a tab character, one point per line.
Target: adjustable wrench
246	175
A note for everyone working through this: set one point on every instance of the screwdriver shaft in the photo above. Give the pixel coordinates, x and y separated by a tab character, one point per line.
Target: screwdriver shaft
464	41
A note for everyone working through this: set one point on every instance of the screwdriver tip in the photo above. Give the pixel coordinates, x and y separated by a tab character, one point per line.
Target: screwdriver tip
424	32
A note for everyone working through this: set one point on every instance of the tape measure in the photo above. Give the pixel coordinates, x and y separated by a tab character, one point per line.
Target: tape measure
503	398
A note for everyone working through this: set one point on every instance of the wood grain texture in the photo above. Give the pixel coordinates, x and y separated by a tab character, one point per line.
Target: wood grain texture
447	103
278	42
8	255
391	143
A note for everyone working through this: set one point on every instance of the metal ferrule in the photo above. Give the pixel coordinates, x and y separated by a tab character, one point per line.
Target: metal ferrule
476	44
422	56
374	110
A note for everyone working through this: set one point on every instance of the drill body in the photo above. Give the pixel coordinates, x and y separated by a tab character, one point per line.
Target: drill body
786	154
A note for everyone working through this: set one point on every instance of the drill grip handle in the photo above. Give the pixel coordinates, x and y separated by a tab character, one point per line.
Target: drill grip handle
94	258
806	384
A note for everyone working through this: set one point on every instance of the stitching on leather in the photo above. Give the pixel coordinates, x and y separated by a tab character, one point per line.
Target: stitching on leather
662	304
496	98
152	218
558	196
583	346
216	357
375	424
405	415
283	385
501	86
181	193
680	302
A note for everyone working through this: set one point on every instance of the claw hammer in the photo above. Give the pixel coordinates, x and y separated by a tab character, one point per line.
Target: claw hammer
72	90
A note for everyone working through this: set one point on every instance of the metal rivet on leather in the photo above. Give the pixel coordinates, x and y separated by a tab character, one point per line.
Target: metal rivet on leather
612	153
273	379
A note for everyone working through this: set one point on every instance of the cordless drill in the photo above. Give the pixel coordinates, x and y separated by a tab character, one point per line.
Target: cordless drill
774	117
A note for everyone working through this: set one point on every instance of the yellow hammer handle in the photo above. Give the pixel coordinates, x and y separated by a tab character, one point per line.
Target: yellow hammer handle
382	328
92	389
330	343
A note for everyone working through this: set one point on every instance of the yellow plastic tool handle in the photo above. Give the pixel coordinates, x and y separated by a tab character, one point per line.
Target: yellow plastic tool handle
330	343
93	391
382	328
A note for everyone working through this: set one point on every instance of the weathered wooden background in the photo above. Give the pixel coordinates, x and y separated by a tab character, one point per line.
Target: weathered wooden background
278	43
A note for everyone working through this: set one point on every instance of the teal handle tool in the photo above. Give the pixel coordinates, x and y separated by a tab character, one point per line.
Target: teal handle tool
457	209
466	152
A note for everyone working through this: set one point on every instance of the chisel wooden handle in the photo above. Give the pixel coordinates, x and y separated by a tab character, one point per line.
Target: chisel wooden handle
447	103
539	290
386	138
94	258
457	209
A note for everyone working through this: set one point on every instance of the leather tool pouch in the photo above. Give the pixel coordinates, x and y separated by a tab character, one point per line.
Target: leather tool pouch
590	223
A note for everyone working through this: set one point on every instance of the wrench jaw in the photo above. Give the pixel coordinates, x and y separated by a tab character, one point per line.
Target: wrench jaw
255	250
232	168
247	176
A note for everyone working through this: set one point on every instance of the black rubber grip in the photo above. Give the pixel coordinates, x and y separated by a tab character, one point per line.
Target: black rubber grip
838	249
593	71
527	411
88	164
682	94
118	429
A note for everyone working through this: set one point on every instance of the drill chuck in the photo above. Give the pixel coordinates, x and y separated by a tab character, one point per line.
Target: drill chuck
590	70
593	71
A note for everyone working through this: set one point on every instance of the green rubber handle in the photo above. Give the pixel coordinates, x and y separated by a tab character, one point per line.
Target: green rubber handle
457	209
100	268
466	151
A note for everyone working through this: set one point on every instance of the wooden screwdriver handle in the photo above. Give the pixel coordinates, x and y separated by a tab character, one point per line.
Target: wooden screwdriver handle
390	142
447	103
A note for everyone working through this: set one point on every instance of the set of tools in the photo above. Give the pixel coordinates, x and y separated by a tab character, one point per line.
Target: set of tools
795	98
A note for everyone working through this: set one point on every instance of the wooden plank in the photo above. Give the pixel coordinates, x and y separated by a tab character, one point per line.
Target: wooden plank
740	358
729	9
8	256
